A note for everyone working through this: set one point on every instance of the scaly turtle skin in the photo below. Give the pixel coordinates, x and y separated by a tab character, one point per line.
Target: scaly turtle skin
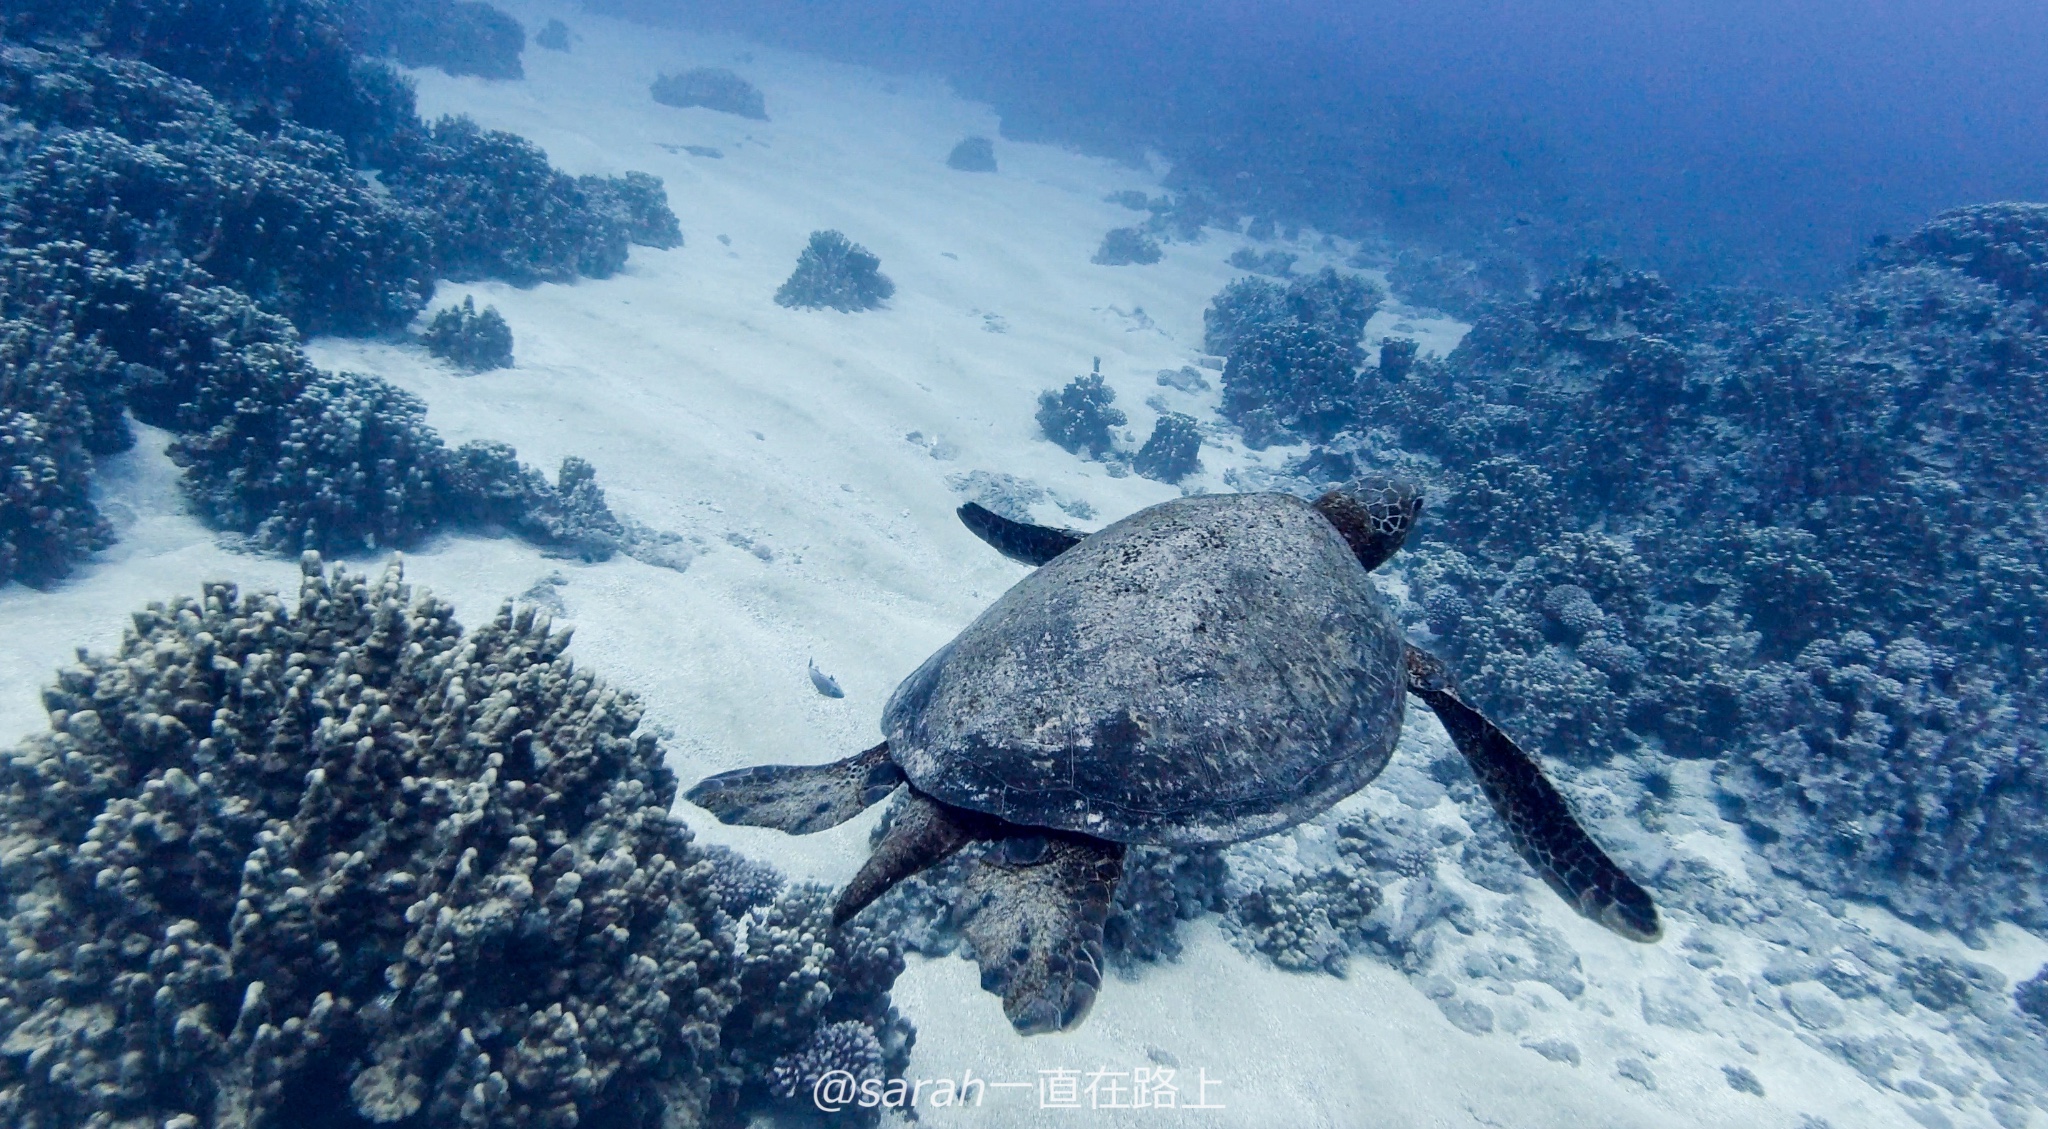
1208	670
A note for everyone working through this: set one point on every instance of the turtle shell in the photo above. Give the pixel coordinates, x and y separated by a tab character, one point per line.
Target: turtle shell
1208	670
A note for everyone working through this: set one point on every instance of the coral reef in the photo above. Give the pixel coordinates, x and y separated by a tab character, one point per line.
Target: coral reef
1290	379
713	88
335	860
468	339
1455	285
638	203
131	160
2031	996
835	273
487	485
1337	303
138	163
1333	300
272	446
1303	925
2003	244
1801	541
974	154
1127	246
497	209
271	60
47	516
811	998
278	860
848	1047
461	37
1173	450
1397	357
553	36
339	461
1079	416
164	216
1239	310
1279	264
126	159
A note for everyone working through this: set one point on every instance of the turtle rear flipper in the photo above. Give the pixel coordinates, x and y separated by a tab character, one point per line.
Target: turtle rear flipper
922	833
1038	904
799	798
1021	542
1539	823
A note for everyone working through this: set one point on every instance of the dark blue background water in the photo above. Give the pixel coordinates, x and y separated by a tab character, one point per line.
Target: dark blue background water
1732	140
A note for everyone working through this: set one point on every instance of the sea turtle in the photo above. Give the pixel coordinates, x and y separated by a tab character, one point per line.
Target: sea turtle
1208	670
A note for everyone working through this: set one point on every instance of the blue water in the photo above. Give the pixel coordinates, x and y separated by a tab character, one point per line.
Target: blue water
1748	141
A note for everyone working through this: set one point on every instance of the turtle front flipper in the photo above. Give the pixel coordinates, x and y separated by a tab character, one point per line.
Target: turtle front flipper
1038	904
799	798
1021	542
1539	823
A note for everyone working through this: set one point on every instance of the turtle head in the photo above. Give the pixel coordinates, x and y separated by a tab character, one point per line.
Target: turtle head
1373	514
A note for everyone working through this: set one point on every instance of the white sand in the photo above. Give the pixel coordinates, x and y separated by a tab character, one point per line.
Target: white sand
764	432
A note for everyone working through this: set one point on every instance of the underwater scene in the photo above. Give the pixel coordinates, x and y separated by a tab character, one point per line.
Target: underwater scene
651	564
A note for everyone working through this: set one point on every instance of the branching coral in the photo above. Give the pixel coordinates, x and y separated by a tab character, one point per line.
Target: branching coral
335	860
813	997
638	203
1287	379
497	209
1173	450
1293	353
334	854
1079	417
131	161
1279	264
267	60
835	273
160	225
471	340
47	516
346	460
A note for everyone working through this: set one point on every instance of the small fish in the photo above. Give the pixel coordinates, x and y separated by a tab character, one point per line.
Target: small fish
826	684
